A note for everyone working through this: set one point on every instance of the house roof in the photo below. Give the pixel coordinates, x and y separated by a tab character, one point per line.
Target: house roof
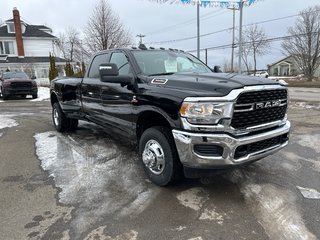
281	60
26	60
31	31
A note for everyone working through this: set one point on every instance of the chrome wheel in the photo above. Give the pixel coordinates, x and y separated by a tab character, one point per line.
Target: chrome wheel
56	117
153	157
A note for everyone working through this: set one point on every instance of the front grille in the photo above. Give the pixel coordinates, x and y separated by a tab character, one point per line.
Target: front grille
21	85
208	150
246	113
244	150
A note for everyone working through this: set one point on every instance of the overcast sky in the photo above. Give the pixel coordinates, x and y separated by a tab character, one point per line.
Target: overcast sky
162	22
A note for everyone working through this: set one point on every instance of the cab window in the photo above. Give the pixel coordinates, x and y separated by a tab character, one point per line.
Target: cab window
121	61
96	62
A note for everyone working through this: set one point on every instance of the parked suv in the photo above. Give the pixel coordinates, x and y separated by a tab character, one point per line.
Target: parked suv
17	83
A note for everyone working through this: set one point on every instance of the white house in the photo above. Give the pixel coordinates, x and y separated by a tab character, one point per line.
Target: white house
25	47
287	67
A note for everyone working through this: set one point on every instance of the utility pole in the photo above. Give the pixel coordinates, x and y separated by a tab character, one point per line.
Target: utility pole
206	56
141	37
198	29
233	31
240	35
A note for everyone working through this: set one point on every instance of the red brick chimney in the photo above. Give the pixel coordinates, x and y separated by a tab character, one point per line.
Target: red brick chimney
17	26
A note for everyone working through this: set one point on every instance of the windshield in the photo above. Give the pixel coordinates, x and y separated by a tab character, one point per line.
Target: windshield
166	62
15	75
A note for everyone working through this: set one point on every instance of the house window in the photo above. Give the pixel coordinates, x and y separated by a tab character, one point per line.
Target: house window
6	48
10	27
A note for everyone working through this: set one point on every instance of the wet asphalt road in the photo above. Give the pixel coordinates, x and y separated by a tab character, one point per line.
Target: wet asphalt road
86	185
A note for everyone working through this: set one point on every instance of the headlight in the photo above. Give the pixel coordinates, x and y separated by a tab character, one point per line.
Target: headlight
206	112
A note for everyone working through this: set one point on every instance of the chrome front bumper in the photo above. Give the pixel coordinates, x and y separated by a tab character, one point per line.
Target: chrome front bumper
186	141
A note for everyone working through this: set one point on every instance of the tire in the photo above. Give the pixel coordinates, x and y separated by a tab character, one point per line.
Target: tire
159	156
60	121
34	96
73	124
5	96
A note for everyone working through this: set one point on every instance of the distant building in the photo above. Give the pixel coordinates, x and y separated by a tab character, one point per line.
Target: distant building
25	47
287	67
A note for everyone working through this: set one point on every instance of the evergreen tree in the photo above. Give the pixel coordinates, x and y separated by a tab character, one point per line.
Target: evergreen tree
83	68
53	71
69	70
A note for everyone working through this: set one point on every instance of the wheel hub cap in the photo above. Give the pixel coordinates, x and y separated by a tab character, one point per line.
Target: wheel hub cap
153	157
56	117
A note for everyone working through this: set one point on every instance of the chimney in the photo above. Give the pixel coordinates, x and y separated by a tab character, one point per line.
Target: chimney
17	26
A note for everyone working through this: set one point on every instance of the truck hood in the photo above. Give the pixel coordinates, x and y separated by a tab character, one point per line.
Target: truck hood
208	84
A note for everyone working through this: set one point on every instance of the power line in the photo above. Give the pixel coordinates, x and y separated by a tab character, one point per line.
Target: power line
274	39
225	29
188	22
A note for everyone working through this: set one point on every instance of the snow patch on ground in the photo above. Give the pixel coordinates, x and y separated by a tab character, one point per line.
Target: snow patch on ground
179	229
43	94
212	215
6	121
96	175
274	207
193	198
99	234
196	238
304	105
309	193
310	141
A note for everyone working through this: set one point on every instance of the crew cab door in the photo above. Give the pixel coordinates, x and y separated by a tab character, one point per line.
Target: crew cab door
116	100
91	89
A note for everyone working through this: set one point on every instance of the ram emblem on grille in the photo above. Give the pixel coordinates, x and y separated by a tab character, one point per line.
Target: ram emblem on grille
269	104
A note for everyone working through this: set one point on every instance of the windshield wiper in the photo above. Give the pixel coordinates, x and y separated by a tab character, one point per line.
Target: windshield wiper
159	74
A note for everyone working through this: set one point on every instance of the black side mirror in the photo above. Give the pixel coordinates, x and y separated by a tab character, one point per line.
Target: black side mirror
109	73
217	69
33	77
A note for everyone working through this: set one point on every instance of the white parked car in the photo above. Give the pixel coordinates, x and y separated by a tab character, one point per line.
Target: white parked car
263	74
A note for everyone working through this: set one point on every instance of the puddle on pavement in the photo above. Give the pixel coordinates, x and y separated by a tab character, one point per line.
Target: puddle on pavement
95	174
274	207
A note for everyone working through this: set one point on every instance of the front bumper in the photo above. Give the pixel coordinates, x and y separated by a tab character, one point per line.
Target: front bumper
185	142
20	91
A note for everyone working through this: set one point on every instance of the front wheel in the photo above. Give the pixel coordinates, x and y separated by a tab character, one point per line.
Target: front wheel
159	156
34	96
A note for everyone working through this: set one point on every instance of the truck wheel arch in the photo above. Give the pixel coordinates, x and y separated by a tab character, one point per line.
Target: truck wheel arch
53	98
149	119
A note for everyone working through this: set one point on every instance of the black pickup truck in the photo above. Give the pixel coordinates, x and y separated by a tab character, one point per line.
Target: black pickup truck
184	118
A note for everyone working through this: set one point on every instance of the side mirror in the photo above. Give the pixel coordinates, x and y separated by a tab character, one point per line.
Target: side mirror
109	73
217	69
33	77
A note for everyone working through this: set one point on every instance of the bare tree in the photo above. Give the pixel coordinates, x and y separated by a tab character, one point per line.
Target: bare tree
104	29
254	44
71	45
304	45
